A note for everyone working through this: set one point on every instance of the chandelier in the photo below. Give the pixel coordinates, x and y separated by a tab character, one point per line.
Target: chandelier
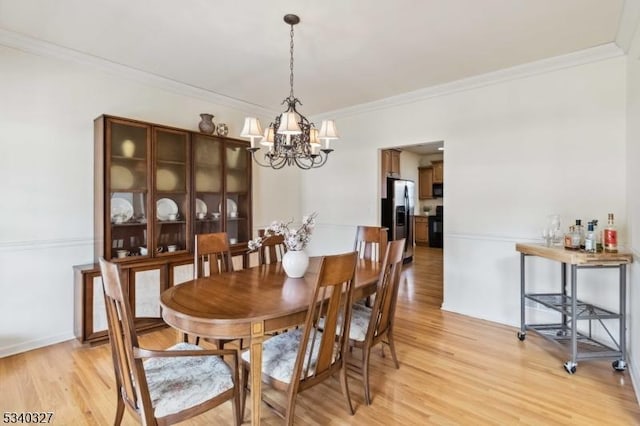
291	139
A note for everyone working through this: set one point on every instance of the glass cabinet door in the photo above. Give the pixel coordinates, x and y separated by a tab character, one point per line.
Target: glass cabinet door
127	150
208	184
171	180
237	210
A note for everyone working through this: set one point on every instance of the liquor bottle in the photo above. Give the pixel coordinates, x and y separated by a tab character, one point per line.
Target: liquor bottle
610	238
568	238
590	239
598	235
576	237
581	232
572	239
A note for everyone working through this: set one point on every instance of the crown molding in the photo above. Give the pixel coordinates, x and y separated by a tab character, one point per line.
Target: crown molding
42	48
581	57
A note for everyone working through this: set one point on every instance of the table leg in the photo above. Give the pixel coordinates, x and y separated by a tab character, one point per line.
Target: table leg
574	315
522	292
563	280
623	313
257	337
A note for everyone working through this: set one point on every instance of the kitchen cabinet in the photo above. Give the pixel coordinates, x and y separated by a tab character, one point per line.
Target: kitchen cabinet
438	171
390	167
155	187
425	183
421	228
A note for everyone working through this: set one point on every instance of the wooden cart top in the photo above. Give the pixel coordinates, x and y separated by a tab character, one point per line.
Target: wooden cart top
575	257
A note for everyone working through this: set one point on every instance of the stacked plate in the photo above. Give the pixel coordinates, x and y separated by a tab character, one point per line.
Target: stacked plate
166	207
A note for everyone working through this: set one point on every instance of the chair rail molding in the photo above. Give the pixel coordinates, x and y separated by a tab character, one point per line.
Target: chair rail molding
45	244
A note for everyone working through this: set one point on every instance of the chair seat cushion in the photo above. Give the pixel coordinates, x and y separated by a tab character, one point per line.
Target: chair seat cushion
279	354
360	318
177	383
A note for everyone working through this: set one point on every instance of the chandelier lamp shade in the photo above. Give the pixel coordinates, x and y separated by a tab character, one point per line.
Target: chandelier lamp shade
291	139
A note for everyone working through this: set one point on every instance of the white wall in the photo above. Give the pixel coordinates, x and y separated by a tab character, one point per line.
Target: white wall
46	169
516	151
633	189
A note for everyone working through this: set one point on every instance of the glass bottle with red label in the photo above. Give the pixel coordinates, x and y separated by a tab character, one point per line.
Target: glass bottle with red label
610	236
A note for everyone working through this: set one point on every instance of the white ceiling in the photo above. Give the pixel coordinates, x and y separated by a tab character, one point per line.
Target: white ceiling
346	52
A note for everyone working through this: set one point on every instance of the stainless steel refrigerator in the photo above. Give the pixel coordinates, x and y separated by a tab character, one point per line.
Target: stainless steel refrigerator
397	212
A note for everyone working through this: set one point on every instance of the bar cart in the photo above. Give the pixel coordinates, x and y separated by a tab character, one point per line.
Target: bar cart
582	345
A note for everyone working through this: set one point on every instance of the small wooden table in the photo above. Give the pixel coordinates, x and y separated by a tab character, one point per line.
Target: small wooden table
251	303
572	309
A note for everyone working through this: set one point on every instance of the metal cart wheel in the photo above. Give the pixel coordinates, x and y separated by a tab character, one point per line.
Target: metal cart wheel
521	335
619	365
570	367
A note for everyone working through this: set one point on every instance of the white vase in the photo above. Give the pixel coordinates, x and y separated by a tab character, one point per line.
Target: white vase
295	263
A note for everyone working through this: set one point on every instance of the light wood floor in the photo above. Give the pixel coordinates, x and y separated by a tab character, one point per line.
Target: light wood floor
454	370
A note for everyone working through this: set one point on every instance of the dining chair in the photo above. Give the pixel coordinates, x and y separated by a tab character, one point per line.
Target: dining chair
170	385
370	243
214	251
212	255
272	249
298	359
370	326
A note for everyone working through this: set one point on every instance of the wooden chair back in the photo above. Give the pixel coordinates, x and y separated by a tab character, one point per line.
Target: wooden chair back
383	310
131	381
371	242
272	249
214	250
129	370
332	301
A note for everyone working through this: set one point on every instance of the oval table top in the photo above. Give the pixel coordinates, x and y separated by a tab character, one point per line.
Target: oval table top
225	305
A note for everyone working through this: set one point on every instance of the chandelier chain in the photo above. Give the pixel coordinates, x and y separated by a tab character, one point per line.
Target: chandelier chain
291	62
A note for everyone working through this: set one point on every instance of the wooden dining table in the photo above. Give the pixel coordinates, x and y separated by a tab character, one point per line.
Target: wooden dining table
251	304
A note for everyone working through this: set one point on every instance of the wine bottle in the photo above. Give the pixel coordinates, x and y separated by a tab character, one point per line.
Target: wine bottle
610	238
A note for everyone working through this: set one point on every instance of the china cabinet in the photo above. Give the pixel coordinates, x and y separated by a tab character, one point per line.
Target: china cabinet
155	187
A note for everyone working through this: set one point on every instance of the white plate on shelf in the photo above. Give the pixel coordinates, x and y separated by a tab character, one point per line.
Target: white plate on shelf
165	207
231	206
121	178
166	180
122	207
201	206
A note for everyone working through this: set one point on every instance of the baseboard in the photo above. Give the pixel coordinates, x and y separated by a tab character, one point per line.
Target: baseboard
634	373
34	344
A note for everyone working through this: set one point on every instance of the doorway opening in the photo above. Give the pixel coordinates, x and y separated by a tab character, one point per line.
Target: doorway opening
423	165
